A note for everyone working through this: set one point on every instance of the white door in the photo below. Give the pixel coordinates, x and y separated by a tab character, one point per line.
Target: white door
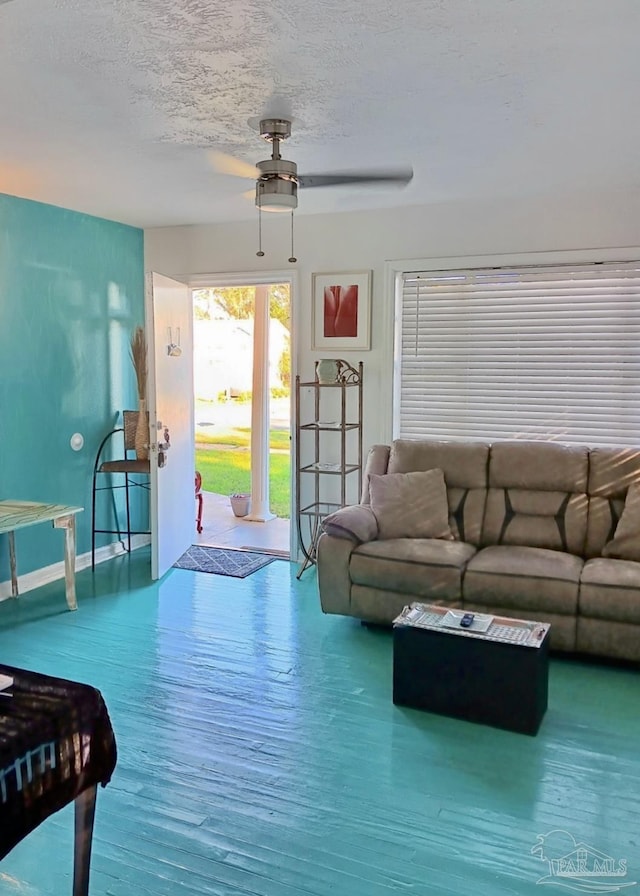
169	326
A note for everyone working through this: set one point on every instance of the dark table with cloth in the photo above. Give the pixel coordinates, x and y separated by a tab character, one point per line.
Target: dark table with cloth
56	746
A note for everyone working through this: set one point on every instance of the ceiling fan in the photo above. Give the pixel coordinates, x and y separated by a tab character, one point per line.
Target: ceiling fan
277	179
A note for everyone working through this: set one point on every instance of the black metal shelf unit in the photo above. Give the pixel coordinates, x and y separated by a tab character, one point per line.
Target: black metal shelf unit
330	478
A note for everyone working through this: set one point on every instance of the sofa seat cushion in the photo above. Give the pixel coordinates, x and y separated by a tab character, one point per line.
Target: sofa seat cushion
529	580
381	607
603	637
418	567
610	589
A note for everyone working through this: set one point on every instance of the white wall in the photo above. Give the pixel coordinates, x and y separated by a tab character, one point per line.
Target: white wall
363	240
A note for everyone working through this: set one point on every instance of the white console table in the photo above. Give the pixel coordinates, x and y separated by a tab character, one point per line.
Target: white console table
20	514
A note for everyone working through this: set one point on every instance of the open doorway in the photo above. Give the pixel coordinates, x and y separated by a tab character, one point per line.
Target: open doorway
242	397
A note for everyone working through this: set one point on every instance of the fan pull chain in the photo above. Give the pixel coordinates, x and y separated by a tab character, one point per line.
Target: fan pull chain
293	258
259	253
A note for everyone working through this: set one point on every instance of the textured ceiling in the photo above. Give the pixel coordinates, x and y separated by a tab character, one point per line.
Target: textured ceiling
109	107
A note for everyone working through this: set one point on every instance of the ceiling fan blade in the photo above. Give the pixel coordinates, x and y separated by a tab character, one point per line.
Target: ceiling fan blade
225	164
399	177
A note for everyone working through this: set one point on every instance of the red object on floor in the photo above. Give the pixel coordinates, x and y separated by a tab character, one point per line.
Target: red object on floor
200	501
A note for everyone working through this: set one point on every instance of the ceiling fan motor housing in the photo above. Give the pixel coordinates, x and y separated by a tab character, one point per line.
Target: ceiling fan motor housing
277	186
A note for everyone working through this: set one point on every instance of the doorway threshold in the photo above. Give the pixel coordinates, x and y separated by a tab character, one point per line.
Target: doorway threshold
221	529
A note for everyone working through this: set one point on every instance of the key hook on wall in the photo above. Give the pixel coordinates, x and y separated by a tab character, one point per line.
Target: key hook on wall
173	348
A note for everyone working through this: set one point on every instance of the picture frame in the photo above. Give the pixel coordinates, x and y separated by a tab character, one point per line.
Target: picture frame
341	311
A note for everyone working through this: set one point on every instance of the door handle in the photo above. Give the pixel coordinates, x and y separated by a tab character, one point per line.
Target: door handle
163	447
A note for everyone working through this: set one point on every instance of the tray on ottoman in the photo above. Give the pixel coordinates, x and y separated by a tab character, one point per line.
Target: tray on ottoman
494	672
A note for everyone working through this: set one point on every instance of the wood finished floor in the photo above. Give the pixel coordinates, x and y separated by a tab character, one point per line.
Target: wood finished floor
260	752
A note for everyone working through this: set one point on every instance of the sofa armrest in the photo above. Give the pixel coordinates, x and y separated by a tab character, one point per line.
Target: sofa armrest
356	523
334	580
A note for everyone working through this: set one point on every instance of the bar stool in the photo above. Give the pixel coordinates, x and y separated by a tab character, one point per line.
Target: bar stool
131	469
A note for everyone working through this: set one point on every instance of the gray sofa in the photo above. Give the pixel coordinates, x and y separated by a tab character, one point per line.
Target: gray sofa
532	530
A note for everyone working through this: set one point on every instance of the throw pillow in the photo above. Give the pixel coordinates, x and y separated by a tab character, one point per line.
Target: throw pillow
355	523
410	505
625	544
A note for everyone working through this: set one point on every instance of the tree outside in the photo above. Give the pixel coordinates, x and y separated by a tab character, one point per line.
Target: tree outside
237	302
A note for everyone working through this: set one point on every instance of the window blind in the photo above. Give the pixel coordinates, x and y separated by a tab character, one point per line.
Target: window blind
539	352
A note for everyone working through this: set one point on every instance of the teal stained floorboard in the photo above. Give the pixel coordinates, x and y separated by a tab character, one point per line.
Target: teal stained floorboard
260	752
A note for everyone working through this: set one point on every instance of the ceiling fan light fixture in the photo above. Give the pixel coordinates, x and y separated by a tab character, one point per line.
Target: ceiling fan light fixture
279	204
276	195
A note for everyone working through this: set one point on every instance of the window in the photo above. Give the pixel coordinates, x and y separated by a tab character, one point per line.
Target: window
522	352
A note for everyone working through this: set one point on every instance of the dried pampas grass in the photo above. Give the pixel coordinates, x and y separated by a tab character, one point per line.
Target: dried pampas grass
139	358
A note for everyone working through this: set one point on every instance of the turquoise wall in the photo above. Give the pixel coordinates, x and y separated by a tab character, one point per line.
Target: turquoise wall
71	293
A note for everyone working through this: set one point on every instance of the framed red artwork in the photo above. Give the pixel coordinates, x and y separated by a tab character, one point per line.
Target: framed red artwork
341	310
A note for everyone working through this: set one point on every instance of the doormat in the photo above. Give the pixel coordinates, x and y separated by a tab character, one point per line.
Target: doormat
238	564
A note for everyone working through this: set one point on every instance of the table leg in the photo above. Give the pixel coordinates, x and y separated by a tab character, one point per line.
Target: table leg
85	810
68	523
12	564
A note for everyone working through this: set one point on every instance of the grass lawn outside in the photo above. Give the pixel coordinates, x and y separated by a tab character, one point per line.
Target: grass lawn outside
224	462
240	437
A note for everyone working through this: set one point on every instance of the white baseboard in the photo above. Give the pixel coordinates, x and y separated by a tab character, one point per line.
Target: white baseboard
52	573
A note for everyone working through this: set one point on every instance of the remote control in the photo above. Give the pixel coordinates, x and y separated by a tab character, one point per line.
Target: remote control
466	620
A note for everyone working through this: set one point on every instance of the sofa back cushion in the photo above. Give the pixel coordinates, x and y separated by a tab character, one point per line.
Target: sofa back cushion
537	496
625	544
611	472
464	465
